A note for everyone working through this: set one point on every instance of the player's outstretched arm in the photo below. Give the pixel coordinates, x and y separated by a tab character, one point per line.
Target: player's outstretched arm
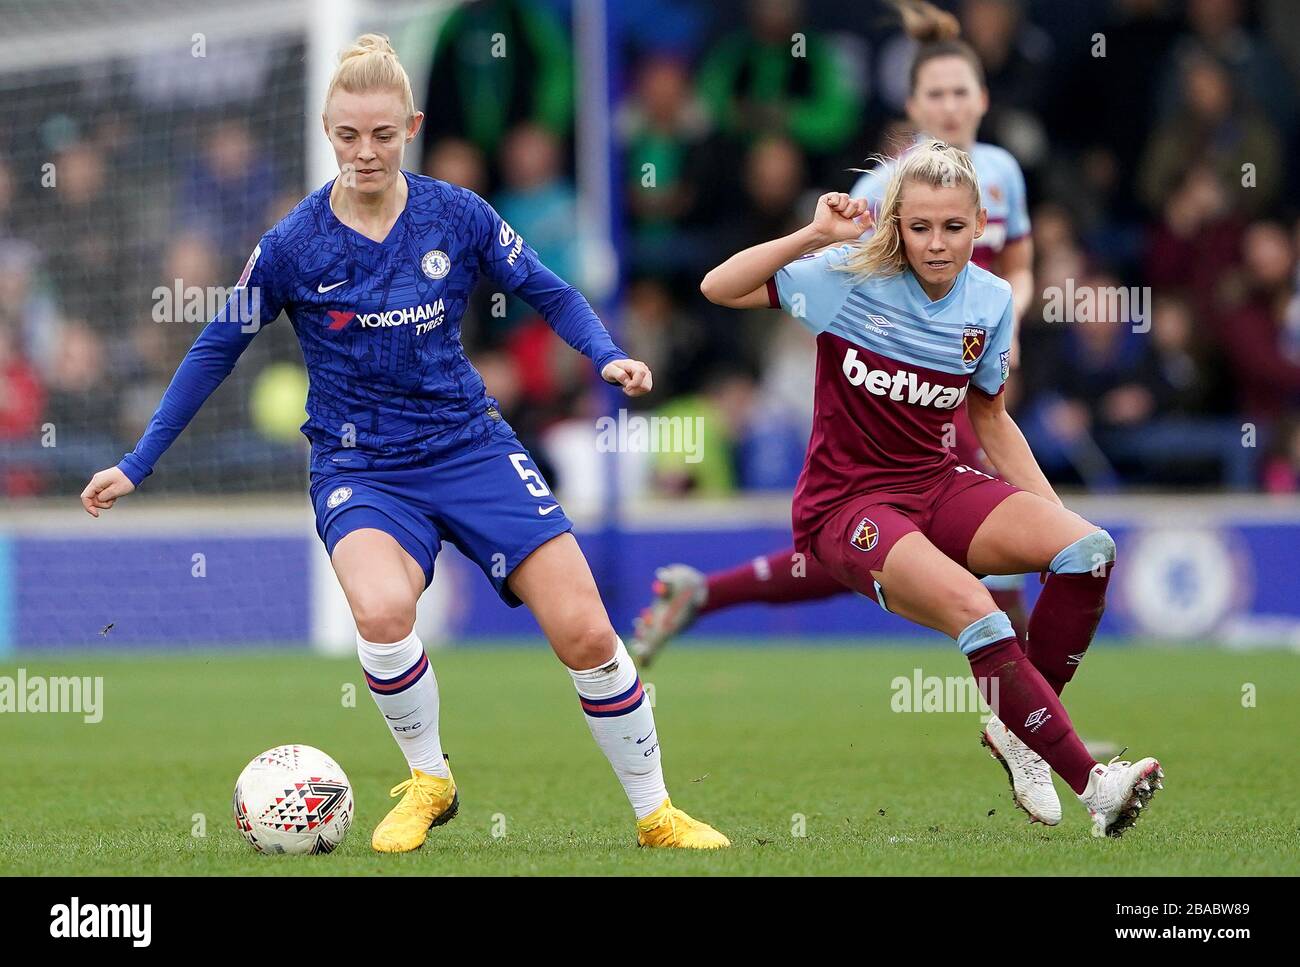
104	488
207	362
567	311
741	281
513	264
1005	445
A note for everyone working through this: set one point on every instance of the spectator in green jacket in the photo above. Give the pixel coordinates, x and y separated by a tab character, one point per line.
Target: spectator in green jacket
497	65
774	76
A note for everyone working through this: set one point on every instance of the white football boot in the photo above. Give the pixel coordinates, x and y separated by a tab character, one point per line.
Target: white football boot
679	591
1031	777
1118	792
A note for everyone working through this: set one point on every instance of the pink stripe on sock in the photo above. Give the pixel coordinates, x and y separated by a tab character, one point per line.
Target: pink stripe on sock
592	706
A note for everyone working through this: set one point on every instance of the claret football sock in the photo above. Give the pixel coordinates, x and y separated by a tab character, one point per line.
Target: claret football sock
622	723
781	578
406	691
1069	608
1022	699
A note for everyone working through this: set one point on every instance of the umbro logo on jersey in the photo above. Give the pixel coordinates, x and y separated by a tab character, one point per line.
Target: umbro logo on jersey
901	385
322	289
877	324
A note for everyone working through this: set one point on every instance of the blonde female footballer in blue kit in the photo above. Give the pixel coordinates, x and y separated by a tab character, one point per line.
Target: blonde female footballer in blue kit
408	450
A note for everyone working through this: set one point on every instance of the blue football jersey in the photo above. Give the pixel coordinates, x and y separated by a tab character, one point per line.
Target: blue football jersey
379	326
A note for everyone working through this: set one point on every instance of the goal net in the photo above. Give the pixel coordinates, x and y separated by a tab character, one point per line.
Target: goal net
145	145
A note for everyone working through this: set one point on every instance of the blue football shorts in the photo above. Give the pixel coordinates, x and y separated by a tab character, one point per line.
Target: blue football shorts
491	503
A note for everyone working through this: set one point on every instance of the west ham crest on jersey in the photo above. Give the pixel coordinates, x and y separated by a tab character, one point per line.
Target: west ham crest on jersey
435	264
865	535
972	344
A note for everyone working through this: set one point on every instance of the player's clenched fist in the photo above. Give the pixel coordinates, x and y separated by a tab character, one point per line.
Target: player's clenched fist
632	374
104	488
840	218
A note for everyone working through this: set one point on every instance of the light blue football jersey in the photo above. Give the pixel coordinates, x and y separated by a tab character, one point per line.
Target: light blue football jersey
893	317
892	369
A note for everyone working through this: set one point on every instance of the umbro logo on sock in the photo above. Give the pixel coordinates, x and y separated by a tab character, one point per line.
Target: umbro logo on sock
1075	659
1037	719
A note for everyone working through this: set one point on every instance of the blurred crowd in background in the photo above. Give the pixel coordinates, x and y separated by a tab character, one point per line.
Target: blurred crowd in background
1166	163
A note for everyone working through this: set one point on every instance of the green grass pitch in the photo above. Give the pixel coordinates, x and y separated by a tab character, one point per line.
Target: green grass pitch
754	738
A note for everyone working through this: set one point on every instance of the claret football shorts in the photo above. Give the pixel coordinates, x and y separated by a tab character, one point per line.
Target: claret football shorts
855	539
491	503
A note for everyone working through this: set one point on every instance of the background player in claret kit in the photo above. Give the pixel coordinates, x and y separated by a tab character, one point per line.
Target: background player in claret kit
948	99
894	515
408	450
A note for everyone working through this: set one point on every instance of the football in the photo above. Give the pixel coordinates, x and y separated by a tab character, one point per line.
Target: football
293	799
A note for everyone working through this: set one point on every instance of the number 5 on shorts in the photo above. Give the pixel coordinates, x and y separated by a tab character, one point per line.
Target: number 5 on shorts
531	478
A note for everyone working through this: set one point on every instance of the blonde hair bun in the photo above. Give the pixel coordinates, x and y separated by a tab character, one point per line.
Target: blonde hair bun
926	23
368	64
366	44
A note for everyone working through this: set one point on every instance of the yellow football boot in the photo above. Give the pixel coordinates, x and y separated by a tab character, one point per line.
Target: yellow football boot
427	801
669	826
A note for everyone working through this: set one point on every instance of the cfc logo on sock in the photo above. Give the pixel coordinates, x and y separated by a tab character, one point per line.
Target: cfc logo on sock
1037	719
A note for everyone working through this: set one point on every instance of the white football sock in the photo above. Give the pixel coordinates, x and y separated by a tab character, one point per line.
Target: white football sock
405	689
618	713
